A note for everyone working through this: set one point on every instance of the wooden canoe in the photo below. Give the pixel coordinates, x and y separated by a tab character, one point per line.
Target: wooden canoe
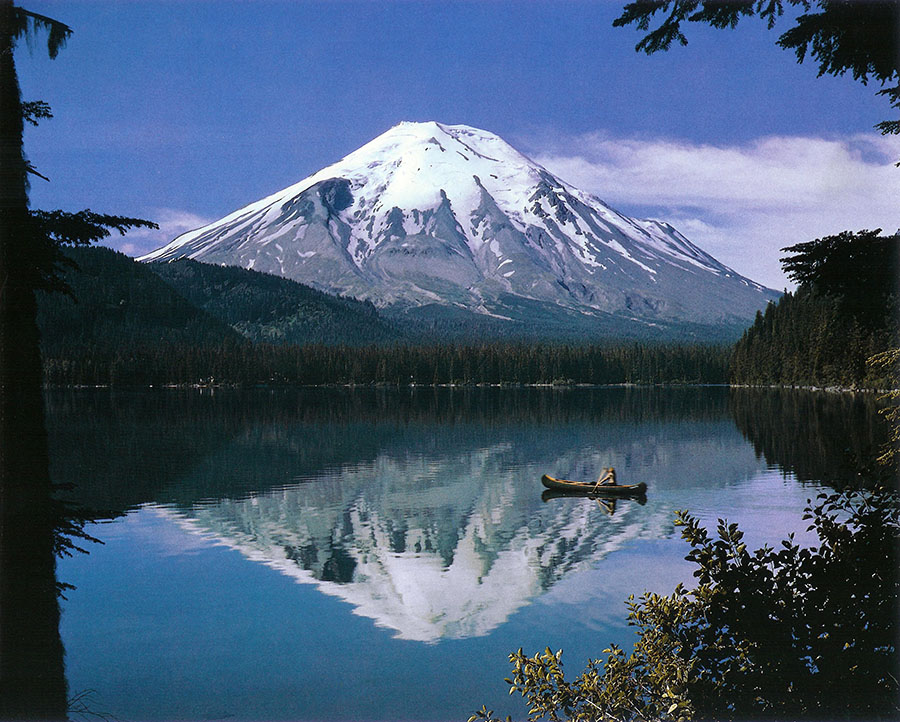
583	487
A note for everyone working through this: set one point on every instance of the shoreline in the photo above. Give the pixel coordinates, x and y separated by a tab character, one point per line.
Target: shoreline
462	386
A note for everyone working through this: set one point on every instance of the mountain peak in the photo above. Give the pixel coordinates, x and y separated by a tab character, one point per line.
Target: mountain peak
429	128
450	215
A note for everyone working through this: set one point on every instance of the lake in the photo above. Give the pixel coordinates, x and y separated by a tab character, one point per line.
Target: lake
372	554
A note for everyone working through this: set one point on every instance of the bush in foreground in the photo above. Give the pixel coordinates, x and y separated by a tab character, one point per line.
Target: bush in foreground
789	633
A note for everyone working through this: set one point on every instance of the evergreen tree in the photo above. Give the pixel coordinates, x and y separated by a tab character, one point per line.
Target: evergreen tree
30	241
843	313
32	682
861	268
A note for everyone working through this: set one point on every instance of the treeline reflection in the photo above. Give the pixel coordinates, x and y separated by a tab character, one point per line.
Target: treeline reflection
414	405
833	438
123	449
150	443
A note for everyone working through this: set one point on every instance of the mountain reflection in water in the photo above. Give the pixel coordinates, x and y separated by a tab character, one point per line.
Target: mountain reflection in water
421	509
424	546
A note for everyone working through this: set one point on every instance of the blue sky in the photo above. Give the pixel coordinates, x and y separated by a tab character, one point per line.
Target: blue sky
182	112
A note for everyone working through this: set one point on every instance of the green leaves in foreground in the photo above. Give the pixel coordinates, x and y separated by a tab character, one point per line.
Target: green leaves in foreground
794	632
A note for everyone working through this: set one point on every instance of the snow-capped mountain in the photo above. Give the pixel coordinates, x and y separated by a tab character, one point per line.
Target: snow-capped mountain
451	215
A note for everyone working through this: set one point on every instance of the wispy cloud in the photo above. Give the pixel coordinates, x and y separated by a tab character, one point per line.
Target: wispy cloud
172	222
742	203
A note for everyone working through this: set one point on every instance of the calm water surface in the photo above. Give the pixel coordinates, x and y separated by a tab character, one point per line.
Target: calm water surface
375	555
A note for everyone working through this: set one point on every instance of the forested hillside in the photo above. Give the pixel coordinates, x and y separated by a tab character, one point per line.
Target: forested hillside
117	310
121	315
275	310
844	311
183	322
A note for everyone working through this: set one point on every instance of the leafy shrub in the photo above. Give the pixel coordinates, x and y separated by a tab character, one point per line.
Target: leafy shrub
789	633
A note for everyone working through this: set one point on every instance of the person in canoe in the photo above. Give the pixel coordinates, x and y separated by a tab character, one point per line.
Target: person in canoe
607	478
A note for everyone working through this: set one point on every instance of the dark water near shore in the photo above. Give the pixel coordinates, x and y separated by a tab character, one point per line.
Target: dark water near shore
375	555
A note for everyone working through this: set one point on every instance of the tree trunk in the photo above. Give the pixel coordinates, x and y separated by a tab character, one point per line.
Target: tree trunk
32	680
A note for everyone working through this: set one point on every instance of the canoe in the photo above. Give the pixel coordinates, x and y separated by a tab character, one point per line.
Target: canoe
582	487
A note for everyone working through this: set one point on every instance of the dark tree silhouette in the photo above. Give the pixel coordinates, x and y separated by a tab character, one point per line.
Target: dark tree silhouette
857	36
30	254
843	313
32	533
862	266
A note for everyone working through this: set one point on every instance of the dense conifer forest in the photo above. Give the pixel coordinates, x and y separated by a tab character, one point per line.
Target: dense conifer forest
126	323
844	311
245	364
